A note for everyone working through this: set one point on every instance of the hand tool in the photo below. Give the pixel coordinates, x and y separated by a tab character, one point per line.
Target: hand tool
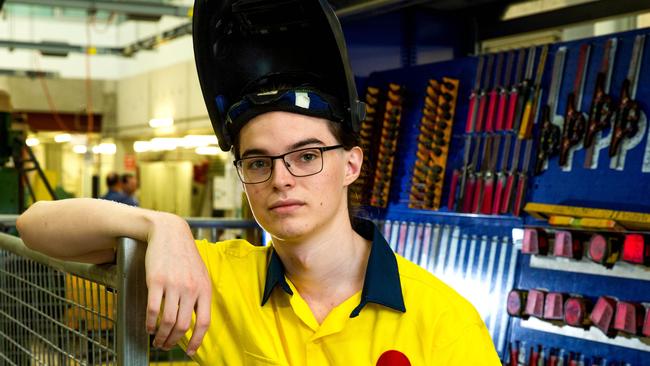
549	137
534	355
387	146
500	176
605	249
531	104
522	96
470	186
482	98
576	310
574	120
602	315
602	106
554	306
529	119
477	195
535	241
494	95
488	178
522	181
498	94
629	317
461	174
503	93
514	353
626	122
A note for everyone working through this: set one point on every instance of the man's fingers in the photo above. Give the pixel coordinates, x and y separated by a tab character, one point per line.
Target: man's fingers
183	321
153	307
202	321
168	319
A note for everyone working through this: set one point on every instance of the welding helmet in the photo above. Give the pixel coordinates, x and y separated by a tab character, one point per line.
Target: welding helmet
258	56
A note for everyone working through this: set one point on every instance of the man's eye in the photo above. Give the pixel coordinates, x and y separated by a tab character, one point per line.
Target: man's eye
257	164
308	156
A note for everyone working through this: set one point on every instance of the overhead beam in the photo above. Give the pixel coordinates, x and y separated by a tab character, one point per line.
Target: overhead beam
59	49
133	8
601	9
29	73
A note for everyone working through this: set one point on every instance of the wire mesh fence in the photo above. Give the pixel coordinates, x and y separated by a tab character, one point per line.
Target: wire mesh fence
48	317
64	313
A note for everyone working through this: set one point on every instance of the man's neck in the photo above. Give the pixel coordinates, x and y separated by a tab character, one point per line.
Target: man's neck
328	267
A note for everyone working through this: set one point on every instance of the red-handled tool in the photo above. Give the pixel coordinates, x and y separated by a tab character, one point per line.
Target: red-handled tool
548	143
510	180
601	104
522	181
574	120
482	98
494	95
514	91
453	202
501	179
503	94
477	195
470	186
626	124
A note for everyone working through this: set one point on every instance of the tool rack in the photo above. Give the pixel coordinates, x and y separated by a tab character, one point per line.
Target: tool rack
599	187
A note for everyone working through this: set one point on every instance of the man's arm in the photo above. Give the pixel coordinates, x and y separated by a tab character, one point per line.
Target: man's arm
87	230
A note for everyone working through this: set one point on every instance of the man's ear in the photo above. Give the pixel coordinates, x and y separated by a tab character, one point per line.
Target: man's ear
353	165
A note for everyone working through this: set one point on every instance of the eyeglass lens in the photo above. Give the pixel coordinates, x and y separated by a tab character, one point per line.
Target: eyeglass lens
300	163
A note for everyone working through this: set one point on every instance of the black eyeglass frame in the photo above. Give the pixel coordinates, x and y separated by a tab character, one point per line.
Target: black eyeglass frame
322	149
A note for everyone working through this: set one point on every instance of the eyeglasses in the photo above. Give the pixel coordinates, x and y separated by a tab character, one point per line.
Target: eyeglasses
300	163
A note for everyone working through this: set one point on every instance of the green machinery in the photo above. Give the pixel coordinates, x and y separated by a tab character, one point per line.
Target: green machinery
16	160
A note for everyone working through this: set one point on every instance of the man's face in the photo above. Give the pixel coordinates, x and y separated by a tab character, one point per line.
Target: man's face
291	207
130	186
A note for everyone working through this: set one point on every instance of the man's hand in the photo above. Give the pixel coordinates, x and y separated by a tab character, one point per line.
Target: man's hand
178	280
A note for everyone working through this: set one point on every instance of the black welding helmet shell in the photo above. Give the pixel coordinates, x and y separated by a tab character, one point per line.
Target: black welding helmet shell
246	49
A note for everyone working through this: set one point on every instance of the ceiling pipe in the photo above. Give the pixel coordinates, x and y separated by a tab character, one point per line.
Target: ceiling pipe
133	8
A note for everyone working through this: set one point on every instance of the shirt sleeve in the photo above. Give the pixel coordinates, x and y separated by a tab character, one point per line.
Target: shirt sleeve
473	347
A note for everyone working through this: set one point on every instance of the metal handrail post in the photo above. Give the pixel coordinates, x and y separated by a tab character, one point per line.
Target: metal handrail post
131	335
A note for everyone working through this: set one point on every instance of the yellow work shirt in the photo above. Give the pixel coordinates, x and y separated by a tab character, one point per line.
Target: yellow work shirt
403	316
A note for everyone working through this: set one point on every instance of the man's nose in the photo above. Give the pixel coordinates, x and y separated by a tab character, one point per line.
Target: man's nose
281	176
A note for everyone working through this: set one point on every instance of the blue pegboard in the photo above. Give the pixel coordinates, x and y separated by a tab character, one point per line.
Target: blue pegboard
603	187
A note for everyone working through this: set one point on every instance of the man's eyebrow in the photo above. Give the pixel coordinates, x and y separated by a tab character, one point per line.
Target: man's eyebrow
295	146
305	142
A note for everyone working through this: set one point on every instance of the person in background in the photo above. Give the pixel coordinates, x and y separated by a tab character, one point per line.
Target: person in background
129	186
114	184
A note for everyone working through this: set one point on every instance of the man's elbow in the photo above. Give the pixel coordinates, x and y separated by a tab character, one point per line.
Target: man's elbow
25	226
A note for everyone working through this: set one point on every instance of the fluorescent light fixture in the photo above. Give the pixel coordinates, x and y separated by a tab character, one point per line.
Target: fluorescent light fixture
105	149
32	141
192	141
164	143
79	149
141	146
207	150
161	122
63	137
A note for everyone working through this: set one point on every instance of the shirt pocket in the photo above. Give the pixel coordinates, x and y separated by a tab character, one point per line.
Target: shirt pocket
251	359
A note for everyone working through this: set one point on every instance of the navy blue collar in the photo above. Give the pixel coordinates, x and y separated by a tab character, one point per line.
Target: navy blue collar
381	285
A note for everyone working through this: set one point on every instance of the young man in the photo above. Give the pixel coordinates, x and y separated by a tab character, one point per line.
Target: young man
328	290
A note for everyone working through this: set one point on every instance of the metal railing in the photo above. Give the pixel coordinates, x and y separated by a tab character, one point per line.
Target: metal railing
54	312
